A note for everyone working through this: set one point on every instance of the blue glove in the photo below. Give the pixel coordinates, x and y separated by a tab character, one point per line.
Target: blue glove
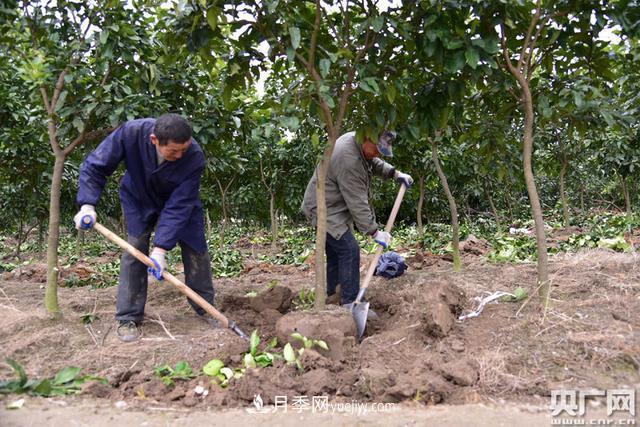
382	238
404	178
157	256
85	218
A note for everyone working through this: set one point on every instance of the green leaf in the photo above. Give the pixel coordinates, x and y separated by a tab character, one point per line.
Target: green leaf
289	353
43	388
227	372
183	369
325	64
608	118
78	123
616	243
472	57
104	36
391	93
213	367
455	62
315	140
371	81
212	17
226	95
377	23
294	32
265	359
297	336
248	361
323	345
18	369
60	101
65	375
253	342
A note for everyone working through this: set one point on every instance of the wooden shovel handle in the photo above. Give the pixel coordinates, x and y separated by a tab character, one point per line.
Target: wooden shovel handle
165	274
376	257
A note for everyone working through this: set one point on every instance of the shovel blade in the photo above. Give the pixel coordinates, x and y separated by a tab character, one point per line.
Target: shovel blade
234	327
360	312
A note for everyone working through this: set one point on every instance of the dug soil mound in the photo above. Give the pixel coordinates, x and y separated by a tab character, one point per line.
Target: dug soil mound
417	350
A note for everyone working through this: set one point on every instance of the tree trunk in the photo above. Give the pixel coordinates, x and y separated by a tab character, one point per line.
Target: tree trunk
493	206
223	227
507	199
563	193
208	219
51	292
274	221
625	191
582	199
419	213
536	208
457	264
19	239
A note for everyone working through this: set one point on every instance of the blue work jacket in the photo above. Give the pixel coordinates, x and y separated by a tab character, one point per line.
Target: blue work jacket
167	194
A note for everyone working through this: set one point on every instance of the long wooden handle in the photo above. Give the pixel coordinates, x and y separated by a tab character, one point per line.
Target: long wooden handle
165	274
378	254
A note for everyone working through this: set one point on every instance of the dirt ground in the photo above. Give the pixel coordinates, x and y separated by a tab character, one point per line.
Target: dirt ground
417	353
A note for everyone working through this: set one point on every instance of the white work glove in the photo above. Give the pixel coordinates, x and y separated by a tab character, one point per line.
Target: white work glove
404	178
382	238
157	256
85	218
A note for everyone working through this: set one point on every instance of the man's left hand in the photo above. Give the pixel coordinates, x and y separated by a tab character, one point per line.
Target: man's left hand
157	256
404	178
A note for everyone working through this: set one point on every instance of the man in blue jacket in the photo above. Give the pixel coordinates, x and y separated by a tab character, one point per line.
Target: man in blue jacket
160	189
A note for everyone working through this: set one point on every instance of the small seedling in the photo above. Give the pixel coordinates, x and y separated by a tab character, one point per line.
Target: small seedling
182	371
519	295
221	374
89	318
305	300
66	381
293	356
254	358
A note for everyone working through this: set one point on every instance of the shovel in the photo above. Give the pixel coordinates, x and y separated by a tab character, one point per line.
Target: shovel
360	309
170	278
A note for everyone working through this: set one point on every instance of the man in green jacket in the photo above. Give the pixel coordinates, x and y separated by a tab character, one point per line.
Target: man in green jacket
347	190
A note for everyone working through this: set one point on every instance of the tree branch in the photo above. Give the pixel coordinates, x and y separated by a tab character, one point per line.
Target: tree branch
543	24
527	38
57	91
86	136
505	51
346	92
45	98
314	36
262	177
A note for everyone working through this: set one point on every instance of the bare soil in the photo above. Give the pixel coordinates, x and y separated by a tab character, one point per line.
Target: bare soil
416	353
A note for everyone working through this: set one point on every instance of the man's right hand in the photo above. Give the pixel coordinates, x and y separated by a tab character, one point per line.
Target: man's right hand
382	238
85	218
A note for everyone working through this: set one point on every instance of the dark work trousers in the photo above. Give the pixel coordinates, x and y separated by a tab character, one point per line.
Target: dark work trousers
132	289
343	266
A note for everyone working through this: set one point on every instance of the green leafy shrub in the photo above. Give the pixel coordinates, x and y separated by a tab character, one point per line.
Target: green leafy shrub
226	262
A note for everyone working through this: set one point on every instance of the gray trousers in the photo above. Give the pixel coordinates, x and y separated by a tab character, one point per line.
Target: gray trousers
132	289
